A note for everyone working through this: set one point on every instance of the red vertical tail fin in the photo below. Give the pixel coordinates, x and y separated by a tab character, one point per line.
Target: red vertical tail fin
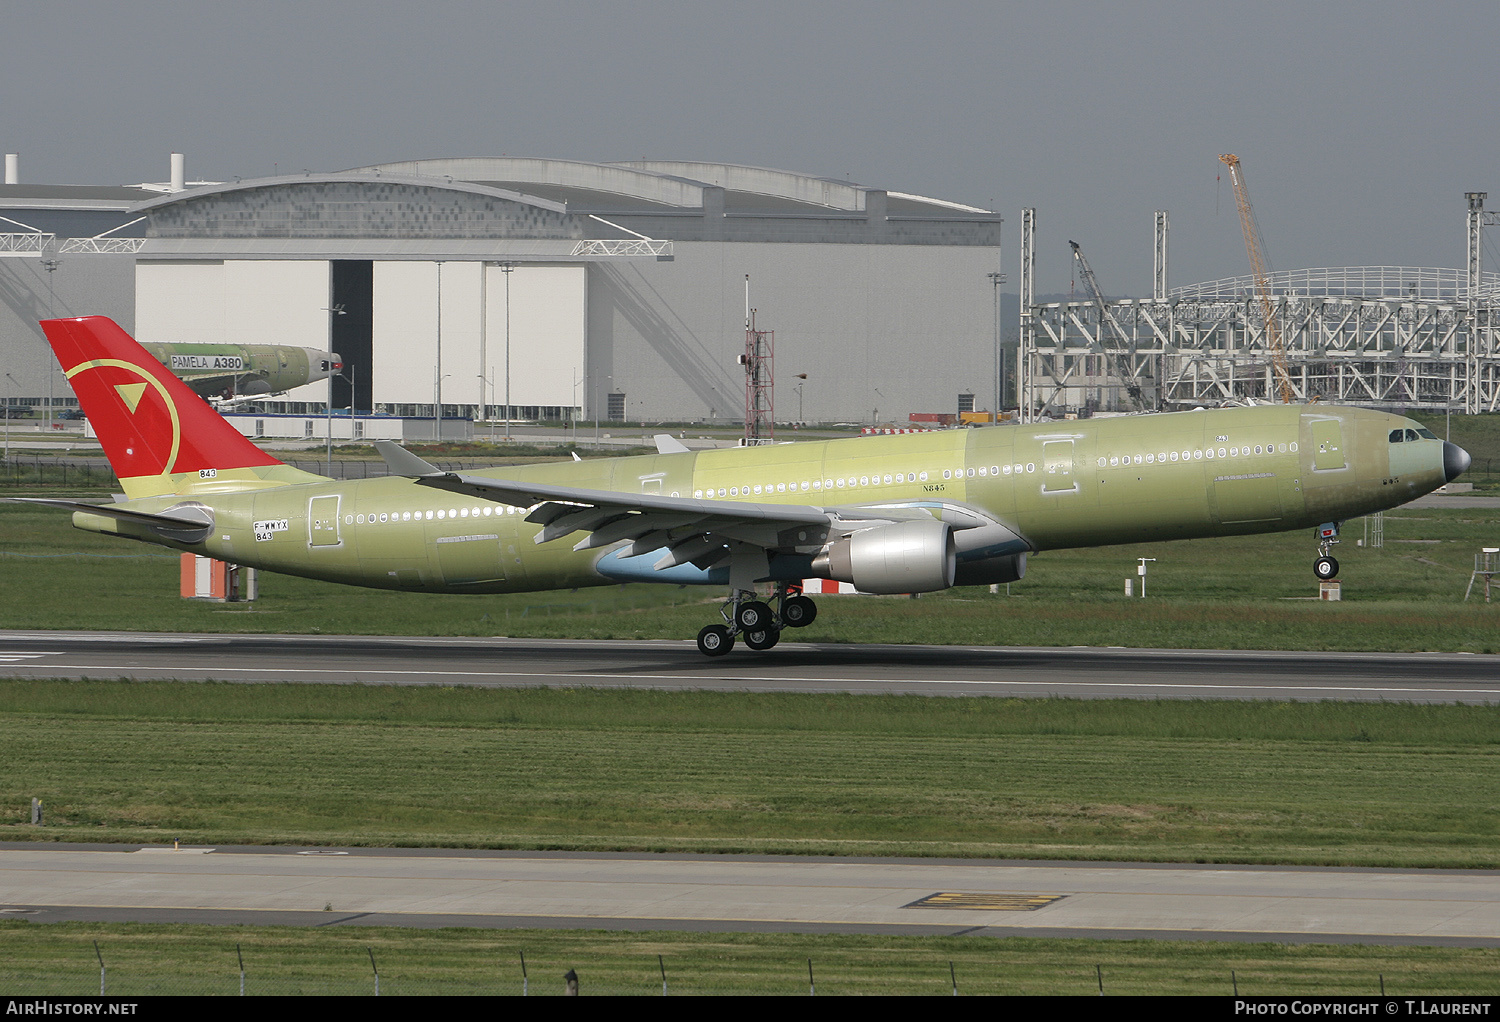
159	436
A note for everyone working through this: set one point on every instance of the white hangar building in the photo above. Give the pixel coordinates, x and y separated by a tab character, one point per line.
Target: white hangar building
417	272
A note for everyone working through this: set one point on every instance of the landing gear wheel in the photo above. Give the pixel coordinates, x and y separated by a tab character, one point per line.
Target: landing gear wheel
762	638
798	612
1325	568
715	640
753	616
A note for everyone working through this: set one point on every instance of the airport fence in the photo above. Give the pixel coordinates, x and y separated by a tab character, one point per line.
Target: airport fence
20	471
725	972
386	975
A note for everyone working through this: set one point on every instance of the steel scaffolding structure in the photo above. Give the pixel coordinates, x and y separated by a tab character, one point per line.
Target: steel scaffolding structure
1379	336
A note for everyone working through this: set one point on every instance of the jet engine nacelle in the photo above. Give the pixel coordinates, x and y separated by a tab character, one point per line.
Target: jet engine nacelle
906	557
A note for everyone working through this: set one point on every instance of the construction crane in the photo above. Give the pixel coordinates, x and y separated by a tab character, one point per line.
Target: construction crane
1132	386
1089	279
1262	278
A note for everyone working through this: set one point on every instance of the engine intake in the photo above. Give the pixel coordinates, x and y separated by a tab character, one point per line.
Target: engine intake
906	557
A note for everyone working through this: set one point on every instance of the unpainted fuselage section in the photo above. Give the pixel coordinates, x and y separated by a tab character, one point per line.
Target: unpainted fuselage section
215	370
1062	484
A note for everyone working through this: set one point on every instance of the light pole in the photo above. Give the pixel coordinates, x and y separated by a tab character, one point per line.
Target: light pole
330	413
14	386
332	310
996	279
573	409
803	378
51	266
506	269
437	373
437	403
489	415
611	379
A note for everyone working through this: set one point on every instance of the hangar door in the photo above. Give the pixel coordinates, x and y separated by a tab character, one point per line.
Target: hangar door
413	300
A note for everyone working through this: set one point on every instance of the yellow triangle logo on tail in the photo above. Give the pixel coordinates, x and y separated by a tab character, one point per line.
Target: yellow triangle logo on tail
130	393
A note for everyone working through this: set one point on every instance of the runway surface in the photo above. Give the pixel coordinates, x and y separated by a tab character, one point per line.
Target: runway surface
1080	672
504	889
324	887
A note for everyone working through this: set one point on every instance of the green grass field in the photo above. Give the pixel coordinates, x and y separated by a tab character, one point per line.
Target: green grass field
1253	592
1263	782
60	959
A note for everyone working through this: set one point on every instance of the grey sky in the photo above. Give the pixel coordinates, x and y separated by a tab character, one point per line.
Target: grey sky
1360	124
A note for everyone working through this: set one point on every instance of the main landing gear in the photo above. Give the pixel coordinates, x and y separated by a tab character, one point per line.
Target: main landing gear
755	621
1326	567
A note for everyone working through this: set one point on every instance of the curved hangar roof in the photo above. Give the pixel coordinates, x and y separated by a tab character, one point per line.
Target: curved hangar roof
553	200
666	184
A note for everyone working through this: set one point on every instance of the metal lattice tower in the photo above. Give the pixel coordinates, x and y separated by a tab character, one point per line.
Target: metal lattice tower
759	361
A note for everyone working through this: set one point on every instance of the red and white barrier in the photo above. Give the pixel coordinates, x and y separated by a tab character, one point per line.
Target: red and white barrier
827	587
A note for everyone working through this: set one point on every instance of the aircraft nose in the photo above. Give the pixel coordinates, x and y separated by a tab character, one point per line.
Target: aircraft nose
1456	461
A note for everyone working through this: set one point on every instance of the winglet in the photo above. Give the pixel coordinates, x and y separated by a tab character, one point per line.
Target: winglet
404	463
668	444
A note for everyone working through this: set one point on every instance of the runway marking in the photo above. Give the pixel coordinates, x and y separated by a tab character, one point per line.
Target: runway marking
8	657
746	678
988	902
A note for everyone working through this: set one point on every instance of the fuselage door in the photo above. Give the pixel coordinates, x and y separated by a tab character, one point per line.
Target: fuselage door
1328	445
323	521
1057	467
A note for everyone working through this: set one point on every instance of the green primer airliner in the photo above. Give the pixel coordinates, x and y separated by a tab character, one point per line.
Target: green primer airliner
244	370
889	514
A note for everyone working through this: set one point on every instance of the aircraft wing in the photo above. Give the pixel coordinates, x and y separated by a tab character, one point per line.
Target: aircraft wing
690	530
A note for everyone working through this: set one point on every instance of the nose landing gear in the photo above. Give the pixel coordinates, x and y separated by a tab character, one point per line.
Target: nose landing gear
1326	567
747	617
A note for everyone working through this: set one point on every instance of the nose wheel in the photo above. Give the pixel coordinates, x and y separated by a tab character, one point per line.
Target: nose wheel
1326	567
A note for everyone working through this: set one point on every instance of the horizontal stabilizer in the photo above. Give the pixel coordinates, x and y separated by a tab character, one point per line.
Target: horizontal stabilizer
188	524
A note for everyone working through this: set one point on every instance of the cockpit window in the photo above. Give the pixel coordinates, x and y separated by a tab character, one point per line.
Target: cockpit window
1396	436
1426	434
1411	436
